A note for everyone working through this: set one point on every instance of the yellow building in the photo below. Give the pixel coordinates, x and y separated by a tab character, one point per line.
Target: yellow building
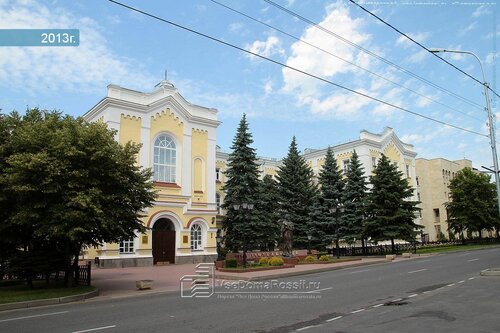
433	179
178	143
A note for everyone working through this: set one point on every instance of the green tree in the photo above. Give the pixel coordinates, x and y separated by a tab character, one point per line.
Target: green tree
268	213
390	212
473	206
242	226
296	193
71	185
326	222
354	198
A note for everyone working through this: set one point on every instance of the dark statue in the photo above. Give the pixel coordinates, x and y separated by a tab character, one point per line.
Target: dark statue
287	233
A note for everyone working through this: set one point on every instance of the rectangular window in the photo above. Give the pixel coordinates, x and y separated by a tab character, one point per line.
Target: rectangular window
407	171
438	229
127	246
417	181
374	162
436	215
217	174
345	165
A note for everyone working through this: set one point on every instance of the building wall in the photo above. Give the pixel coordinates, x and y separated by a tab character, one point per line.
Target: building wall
434	177
189	200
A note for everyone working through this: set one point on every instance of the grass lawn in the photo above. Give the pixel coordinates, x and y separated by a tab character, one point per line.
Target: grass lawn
18	292
448	248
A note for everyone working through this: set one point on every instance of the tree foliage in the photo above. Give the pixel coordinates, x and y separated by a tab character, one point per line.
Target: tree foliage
296	193
68	184
326	225
242	226
390	212
354	198
268	213
473	206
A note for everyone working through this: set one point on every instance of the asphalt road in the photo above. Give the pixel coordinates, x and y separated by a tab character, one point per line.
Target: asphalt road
430	294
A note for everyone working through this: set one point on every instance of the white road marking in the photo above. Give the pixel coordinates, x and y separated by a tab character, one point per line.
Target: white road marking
419	270
451	285
461	281
356	311
364	270
413	295
428	291
304	328
397	300
473	259
376	306
34	316
465	254
318	290
96	329
334	318
471	278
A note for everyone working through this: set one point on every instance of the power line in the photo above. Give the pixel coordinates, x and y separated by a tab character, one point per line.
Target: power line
294	69
342	59
388	62
422	46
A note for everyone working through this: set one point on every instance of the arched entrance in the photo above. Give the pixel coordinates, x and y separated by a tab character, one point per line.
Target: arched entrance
163	241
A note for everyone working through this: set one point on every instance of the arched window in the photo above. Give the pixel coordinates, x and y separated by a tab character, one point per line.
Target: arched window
164	159
196	237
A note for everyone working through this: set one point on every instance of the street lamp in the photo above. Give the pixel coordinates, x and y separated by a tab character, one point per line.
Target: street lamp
218	239
490	118
309	237
334	211
244	206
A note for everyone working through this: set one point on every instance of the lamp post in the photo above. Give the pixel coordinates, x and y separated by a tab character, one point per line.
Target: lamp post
218	239
309	237
249	207
490	118
334	210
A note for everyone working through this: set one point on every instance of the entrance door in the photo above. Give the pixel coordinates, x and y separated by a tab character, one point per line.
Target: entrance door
163	241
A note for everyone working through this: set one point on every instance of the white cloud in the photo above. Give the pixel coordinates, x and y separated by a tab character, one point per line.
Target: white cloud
490	57
420	37
268	87
316	62
235	27
418	57
267	48
87	67
467	29
481	10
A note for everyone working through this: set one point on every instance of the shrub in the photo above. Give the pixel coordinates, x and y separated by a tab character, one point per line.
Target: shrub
441	237
231	263
263	261
275	261
320	254
324	258
309	259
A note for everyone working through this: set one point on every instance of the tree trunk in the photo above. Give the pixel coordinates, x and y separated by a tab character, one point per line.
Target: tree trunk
363	249
392	245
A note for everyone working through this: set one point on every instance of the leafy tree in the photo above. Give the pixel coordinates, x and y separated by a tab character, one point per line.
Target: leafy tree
473	206
296	193
390	212
71	185
354	198
327	224
268	213
242	226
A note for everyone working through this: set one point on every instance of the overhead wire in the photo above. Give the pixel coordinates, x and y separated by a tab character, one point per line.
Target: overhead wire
388	62
293	68
342	59
422	46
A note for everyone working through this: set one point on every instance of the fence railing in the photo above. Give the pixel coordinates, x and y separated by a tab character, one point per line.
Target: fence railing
84	274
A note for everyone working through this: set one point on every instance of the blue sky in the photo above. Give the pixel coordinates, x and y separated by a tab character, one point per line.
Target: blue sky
125	48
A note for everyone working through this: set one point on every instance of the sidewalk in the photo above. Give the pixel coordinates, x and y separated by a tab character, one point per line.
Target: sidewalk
119	282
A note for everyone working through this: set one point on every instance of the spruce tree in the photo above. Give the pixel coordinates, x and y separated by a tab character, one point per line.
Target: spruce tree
390	213
326	224
241	225
268	213
296	192
354	198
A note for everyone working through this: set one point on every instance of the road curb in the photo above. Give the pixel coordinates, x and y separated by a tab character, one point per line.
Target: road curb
297	273
48	301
